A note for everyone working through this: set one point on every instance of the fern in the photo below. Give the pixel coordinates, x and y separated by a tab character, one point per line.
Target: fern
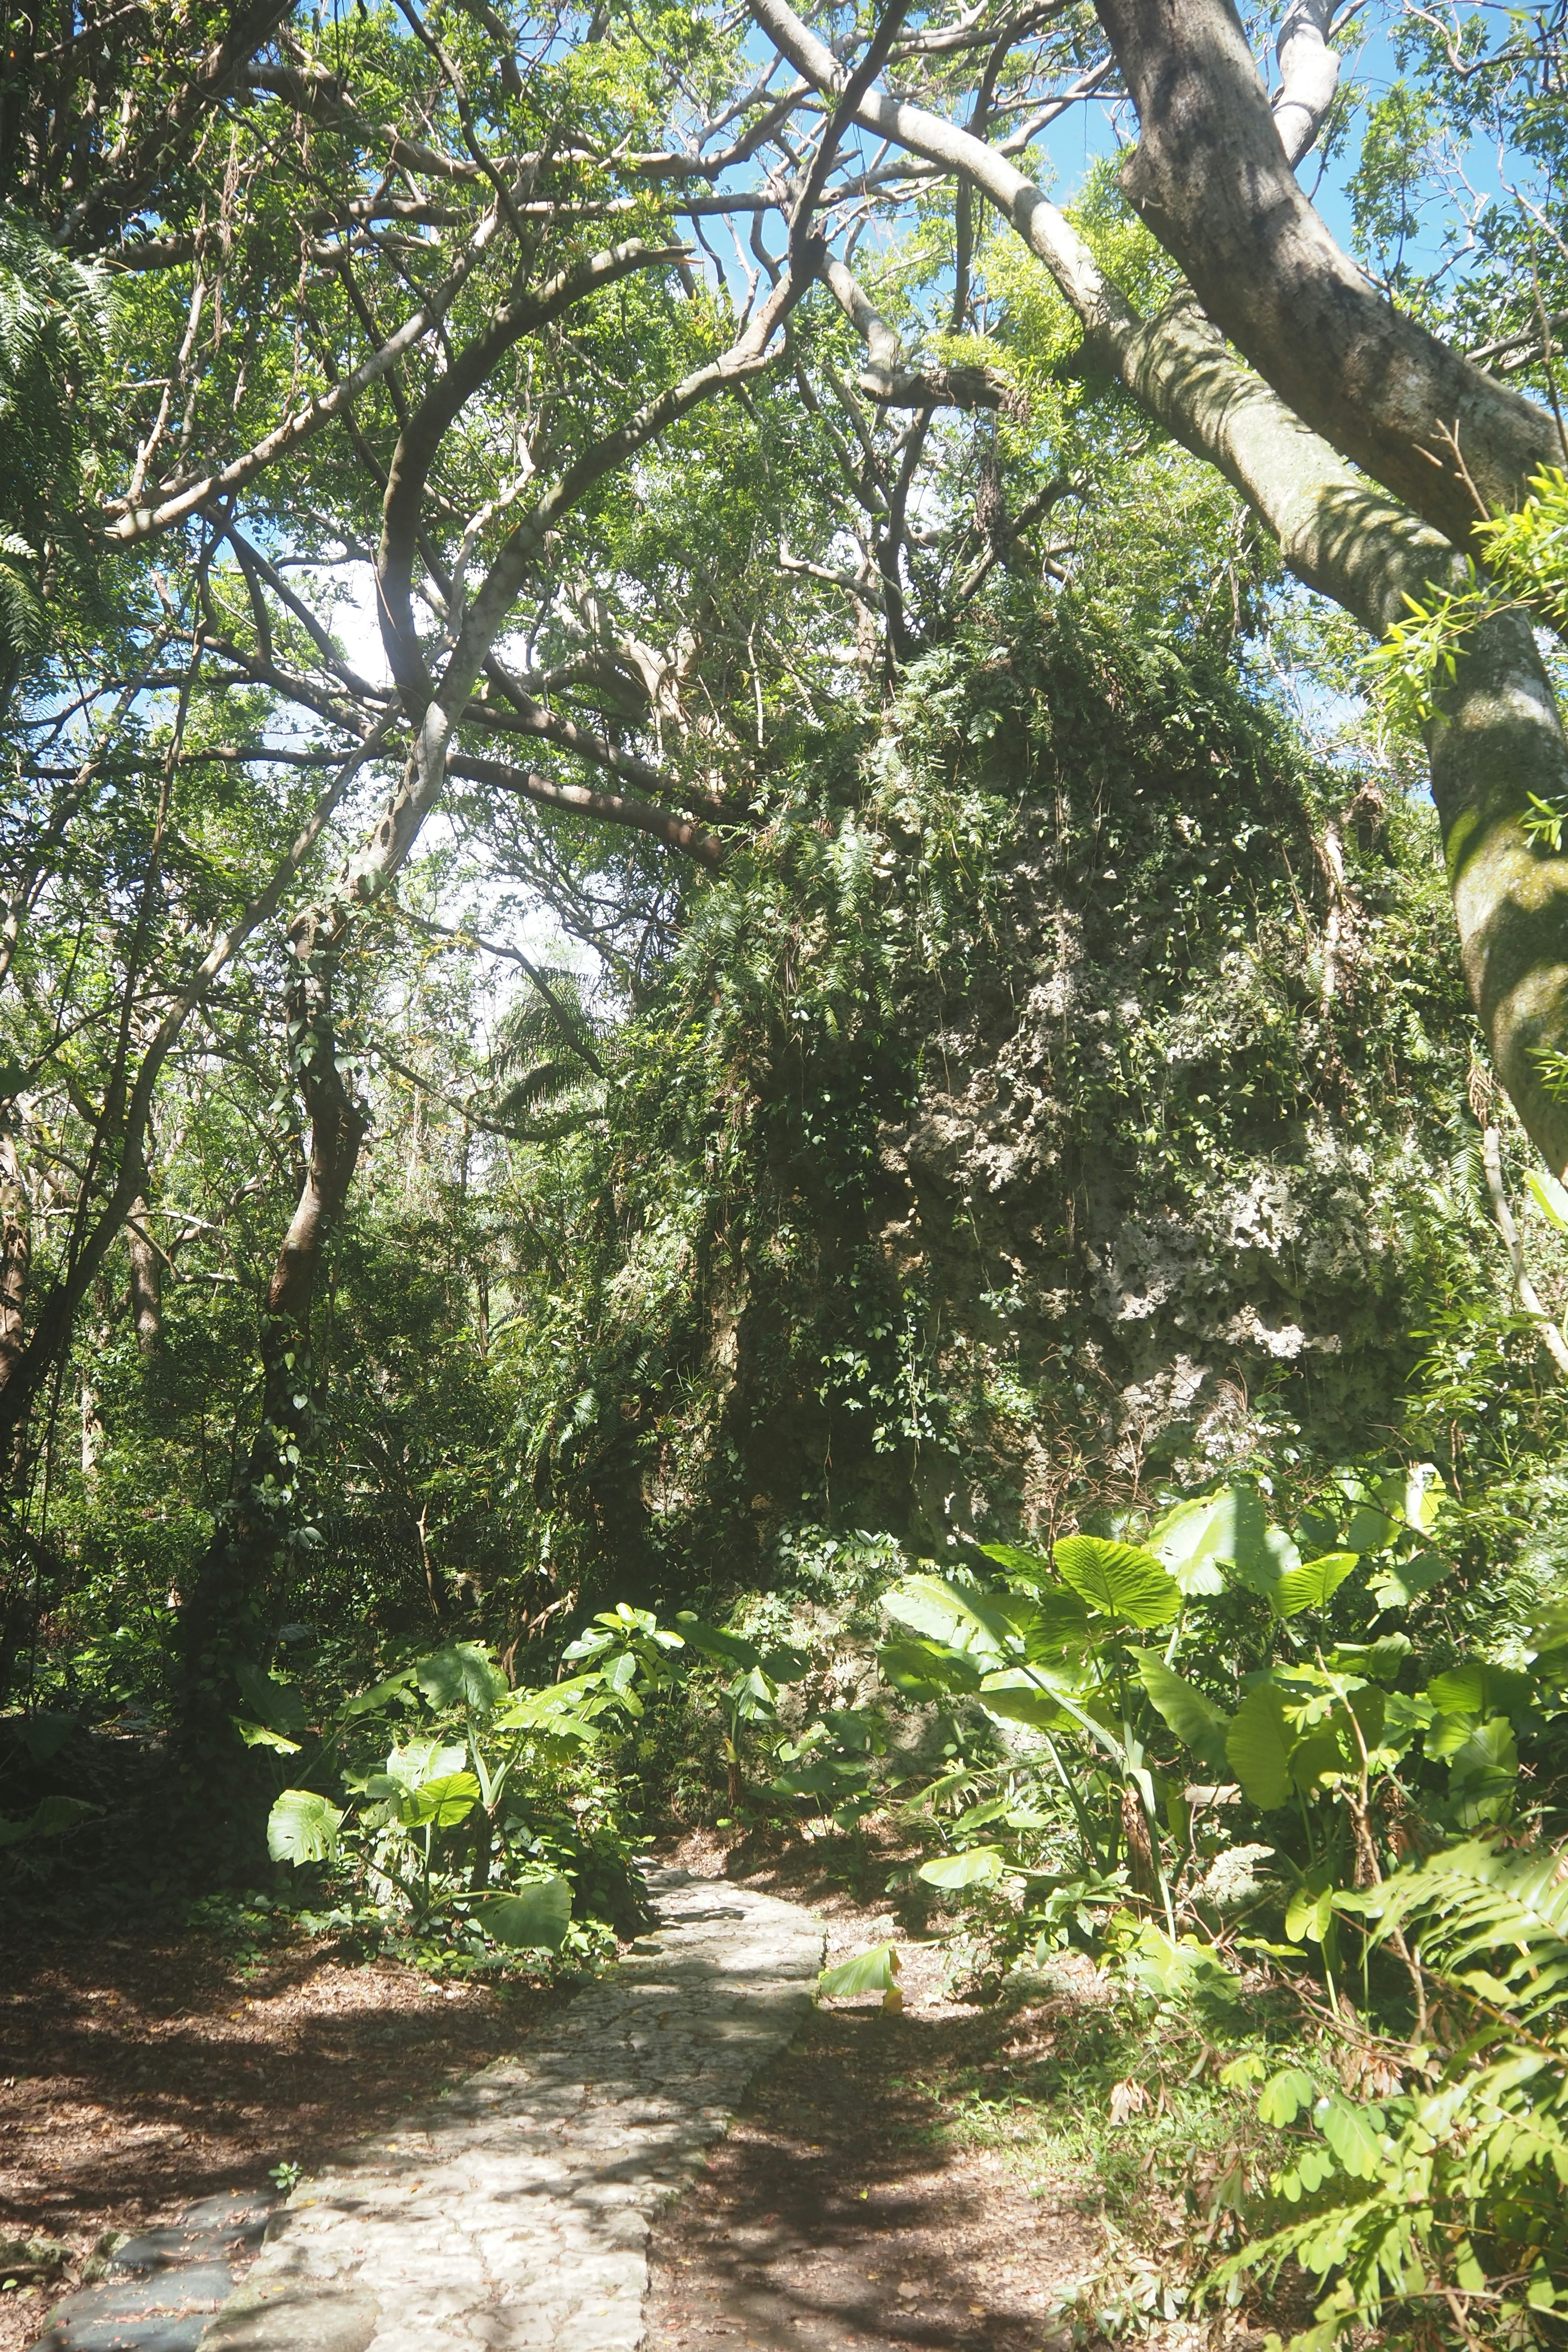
1510	1906
1459	2190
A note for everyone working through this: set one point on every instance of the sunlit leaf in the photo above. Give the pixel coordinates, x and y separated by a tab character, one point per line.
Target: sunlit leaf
302	1827
1119	1580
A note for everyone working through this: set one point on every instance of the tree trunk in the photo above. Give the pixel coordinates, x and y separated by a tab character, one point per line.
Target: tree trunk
223	1621
146	1280
1211	179
16	1254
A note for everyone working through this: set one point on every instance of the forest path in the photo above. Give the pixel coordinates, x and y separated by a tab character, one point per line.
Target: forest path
515	2212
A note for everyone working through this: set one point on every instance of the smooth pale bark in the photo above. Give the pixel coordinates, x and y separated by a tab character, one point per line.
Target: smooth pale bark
146	1281
1497	738
1212	181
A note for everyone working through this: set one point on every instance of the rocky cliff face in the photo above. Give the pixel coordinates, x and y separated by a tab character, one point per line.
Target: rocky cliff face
1118	1161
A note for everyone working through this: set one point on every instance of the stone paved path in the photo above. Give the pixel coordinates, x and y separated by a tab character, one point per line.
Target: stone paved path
514	2214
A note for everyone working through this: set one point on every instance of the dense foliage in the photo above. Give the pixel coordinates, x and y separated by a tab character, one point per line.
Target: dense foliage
735	1085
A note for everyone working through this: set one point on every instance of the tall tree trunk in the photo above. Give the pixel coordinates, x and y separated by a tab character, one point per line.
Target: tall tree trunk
15	1253
146	1280
222	1623
1211	179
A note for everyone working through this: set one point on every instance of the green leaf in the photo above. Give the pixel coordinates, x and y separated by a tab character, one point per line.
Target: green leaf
1313	1584
1549	1197
1017	1701
280	1705
950	1614
369	1702
302	1827
262	1734
533	1919
1259	1745
1395	1583
873	1971
710	1642
981	1866
1476	1687
46	1733
441	1803
1119	1580
1284	2095
1189	1540
51	1817
1483	1770
925	1671
1032	1566
1194	1719
1356	2135
424	1759
462	1675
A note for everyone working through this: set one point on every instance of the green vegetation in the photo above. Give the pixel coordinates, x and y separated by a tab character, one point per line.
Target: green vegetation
743	1079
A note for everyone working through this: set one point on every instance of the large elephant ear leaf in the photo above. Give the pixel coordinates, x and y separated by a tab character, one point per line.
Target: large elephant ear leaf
302	1827
462	1675
950	1614
1314	1583
1121	1580
1258	1746
1194	1719
533	1919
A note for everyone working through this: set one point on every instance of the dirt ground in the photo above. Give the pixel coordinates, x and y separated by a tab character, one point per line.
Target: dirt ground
839	2211
136	2076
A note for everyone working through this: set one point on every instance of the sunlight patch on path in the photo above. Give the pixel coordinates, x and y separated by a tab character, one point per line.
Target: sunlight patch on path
514	2214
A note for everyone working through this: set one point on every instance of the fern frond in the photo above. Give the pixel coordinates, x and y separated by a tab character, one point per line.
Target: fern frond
1479	1903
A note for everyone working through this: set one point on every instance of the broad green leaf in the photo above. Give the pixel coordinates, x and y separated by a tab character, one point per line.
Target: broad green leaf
1549	1197
302	1827
1119	1580
280	1705
1284	2097
1229	1528
710	1642
1482	1772
1194	1719
441	1803
1312	1760
534	1918
47	1732
981	1866
1395	1583
1032	1566
1314	1583
925	1671
1307	1913
461	1674
1188	1541
947	1612
1259	1745
370	1702
873	1971
568	1708
51	1817
1379	1661
1476	1687
784	1665
424	1759
262	1734
1052	1623
1017	1701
